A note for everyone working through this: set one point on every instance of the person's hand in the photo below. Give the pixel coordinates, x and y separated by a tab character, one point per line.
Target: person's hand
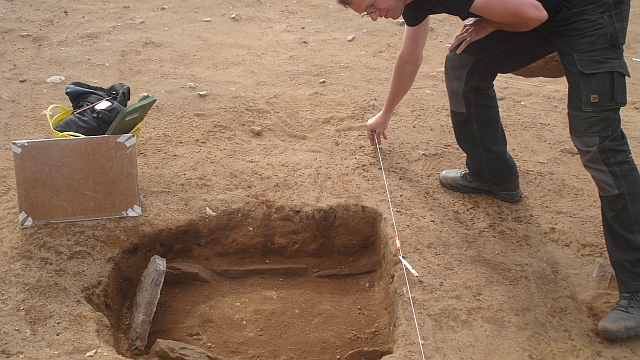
379	123
473	29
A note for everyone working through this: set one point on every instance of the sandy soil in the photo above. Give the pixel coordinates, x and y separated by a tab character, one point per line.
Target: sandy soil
497	280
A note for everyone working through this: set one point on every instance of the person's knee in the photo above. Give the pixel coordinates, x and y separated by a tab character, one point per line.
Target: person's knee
595	164
456	67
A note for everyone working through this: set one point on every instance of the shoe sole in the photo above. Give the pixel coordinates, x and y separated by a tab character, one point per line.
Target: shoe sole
510	197
615	335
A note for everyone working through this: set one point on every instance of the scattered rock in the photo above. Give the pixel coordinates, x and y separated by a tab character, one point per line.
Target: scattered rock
4	96
367	354
602	273
174	350
55	79
22	79
126	6
209	211
500	97
207	20
570	150
236	273
350	38
139	22
236	16
144	305
373	104
323	81
399	22
256	130
26	34
203	93
190	86
164	7
186	273
359	269
91	353
542	161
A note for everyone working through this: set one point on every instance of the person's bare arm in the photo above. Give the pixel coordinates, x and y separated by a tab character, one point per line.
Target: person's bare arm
510	15
404	73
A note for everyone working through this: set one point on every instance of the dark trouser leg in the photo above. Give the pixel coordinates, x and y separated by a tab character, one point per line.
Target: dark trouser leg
474	109
592	55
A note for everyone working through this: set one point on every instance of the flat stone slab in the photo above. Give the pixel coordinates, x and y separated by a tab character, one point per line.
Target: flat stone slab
180	272
358	269
368	354
174	350
236	273
144	305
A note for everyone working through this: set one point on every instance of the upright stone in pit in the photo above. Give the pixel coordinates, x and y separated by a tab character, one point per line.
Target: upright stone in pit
144	305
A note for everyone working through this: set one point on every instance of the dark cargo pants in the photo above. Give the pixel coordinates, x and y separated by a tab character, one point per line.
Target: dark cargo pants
589	36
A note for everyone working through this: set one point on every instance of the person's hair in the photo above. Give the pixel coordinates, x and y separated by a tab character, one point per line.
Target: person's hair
345	3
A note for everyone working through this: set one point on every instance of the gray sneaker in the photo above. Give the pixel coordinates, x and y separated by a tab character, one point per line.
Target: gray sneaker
624	320
462	181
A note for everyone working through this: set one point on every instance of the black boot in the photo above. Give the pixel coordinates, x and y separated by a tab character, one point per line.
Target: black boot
462	181
624	320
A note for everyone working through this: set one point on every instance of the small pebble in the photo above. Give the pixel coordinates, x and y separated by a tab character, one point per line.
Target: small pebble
351	38
55	79
126	6
26	34
164	8
256	130
570	150
91	353
191	86
207	20
22	78
500	97
322	81
236	16
203	93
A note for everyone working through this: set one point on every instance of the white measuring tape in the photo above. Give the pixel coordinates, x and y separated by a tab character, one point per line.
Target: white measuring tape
405	264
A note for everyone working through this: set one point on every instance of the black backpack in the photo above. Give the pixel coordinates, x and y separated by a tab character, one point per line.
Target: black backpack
86	119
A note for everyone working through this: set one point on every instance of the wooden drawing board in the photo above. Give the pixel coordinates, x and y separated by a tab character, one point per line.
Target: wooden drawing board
75	179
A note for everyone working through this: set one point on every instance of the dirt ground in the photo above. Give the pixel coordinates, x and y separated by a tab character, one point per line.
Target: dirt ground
497	280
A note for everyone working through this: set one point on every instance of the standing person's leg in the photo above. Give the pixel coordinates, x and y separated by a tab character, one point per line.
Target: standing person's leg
475	114
590	36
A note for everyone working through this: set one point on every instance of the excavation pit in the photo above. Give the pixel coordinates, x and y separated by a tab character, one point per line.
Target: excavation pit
278	284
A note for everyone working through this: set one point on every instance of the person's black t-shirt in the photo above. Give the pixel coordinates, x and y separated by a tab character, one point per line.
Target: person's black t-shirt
417	11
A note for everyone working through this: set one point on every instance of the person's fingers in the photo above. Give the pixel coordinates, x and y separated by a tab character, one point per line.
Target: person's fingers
370	135
463	46
384	135
455	43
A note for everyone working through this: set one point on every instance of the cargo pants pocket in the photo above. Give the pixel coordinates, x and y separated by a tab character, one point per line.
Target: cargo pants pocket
602	81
